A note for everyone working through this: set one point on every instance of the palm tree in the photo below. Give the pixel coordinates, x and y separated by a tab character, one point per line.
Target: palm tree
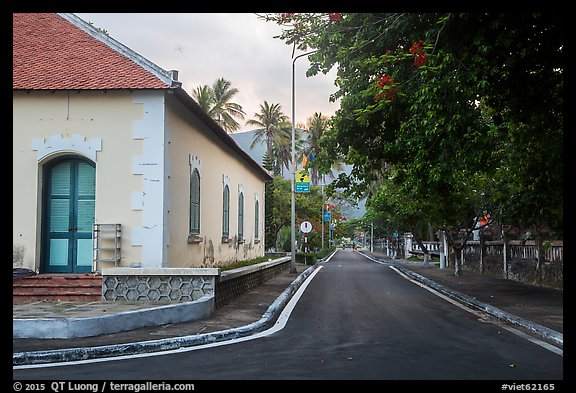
204	97
271	121
317	125
215	100
283	146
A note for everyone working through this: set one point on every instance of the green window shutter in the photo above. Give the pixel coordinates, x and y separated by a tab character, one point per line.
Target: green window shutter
86	180
195	202
241	215
256	219
226	212
60	181
59	204
86	187
59	215
69	214
85	217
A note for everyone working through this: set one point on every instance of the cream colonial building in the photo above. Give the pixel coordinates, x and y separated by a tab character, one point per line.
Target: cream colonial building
102	135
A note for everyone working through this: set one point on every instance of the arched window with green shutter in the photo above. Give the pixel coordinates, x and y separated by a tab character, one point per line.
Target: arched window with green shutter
195	202
241	216
226	212
256	218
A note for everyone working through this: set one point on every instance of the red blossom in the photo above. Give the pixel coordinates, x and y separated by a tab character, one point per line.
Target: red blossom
286	16
416	47
389	92
418	52
335	17
419	60
385	80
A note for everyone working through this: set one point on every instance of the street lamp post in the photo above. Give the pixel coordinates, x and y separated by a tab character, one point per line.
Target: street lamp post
293	204
322	214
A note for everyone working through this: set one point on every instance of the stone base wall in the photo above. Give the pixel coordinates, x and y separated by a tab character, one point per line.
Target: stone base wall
181	285
233	283
157	285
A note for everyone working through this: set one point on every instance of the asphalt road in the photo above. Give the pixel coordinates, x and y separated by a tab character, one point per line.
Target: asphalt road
355	319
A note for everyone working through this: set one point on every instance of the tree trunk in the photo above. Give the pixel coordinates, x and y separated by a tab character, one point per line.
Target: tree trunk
505	252
426	263
539	255
424	249
457	261
443	248
430	232
482	254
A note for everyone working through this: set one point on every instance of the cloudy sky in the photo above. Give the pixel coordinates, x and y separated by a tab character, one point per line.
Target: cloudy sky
237	47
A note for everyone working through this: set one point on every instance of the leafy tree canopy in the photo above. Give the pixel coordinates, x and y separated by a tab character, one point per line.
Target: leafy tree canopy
462	111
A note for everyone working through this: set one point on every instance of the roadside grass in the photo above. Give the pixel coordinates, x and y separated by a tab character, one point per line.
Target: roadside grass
311	259
416	258
248	262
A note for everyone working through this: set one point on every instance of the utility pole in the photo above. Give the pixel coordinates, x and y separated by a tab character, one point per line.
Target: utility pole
293	198
322	215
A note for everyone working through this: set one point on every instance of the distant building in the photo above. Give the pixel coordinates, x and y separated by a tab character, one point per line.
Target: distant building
102	135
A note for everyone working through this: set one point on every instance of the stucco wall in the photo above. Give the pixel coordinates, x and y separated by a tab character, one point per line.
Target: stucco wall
143	154
191	145
94	125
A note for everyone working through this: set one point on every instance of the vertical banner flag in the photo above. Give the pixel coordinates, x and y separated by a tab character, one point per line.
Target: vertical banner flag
302	180
327	216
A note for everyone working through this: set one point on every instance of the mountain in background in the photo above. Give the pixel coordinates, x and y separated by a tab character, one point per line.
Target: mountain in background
244	140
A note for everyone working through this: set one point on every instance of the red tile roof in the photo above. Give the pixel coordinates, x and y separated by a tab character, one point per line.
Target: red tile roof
51	53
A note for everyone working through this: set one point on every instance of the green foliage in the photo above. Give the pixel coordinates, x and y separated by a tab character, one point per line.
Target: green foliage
308	207
310	258
443	115
215	101
244	263
273	124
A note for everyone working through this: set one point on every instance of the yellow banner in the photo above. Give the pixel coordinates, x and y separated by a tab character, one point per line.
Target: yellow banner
302	176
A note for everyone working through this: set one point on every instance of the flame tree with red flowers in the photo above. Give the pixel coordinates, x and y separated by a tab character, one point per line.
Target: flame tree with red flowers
460	111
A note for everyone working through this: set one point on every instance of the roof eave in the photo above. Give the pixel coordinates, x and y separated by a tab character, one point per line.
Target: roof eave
190	103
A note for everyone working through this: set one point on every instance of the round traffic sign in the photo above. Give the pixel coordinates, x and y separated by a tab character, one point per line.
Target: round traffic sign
305	227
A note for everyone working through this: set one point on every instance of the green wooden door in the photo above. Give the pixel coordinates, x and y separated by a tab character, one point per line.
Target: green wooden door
69	188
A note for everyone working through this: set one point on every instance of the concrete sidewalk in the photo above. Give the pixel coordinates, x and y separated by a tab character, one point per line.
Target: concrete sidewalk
536	310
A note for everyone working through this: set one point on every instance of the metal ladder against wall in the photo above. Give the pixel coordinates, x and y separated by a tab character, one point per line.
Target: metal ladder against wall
106	244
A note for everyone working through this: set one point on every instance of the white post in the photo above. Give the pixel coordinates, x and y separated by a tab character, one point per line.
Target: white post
371	237
505	252
443	249
408	244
